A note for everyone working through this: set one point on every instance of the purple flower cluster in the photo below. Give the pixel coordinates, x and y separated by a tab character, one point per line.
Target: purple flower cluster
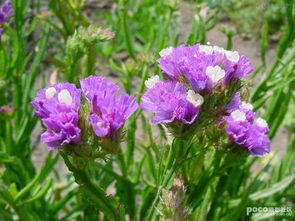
196	71
109	111
58	107
243	129
203	66
6	11
192	71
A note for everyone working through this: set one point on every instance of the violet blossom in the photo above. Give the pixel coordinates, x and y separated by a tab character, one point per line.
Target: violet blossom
58	107
202	66
109	109
6	11
170	101
243	129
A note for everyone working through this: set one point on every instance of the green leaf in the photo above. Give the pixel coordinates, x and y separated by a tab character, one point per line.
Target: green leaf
61	203
273	189
40	194
47	168
5	158
30	79
263	42
5	194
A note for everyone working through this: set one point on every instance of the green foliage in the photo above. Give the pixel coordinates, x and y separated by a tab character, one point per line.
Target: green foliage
152	177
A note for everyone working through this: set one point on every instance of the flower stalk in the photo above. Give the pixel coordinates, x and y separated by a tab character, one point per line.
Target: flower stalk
125	29
108	205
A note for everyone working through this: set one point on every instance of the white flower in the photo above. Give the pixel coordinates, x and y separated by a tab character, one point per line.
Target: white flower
166	51
238	115
247	106
50	92
232	56
194	98
99	124
207	49
215	73
218	49
64	96
152	81
261	123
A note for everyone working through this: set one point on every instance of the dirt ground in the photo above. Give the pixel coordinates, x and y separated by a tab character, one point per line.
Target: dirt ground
250	48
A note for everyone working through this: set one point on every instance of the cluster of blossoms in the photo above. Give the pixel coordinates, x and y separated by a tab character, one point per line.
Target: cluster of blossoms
201	68
243	129
109	112
58	106
204	67
195	73
6	11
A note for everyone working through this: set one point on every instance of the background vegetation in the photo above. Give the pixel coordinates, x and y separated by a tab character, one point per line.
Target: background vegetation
65	40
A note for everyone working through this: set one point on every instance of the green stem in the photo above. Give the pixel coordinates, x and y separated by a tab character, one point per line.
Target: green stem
125	29
8	133
165	30
229	44
174	158
94	193
144	76
90	65
72	71
130	143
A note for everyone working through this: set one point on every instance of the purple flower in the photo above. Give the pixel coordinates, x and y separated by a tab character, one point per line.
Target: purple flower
59	97
2	17
261	125
237	127
6	11
7	8
257	142
203	66
170	102
1	32
247	132
109	111
58	108
173	61
61	130
235	103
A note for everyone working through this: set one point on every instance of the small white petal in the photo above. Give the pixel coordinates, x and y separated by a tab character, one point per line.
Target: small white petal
238	115
194	98
149	83
218	49
166	51
247	106
261	122
215	73
232	56
207	49
50	92
64	96
99	124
